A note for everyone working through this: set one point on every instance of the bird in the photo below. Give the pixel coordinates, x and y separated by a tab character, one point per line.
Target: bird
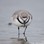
21	18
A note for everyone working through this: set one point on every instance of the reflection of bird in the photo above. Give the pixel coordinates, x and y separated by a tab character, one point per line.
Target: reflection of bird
21	18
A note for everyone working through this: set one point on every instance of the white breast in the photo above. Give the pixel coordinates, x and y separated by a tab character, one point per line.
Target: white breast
16	22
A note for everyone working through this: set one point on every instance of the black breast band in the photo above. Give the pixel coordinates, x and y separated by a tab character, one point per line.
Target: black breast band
19	21
22	22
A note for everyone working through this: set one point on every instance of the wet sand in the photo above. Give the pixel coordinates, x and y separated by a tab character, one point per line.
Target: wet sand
16	41
13	41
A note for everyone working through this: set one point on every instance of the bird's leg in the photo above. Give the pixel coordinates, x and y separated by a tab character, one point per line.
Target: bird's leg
18	33
25	30
24	33
25	37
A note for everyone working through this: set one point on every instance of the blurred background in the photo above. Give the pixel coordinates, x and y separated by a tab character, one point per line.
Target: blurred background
34	32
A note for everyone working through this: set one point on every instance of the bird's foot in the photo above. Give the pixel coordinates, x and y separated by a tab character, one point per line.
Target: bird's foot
25	38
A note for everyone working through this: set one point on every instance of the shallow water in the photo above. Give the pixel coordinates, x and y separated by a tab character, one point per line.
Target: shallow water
34	32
